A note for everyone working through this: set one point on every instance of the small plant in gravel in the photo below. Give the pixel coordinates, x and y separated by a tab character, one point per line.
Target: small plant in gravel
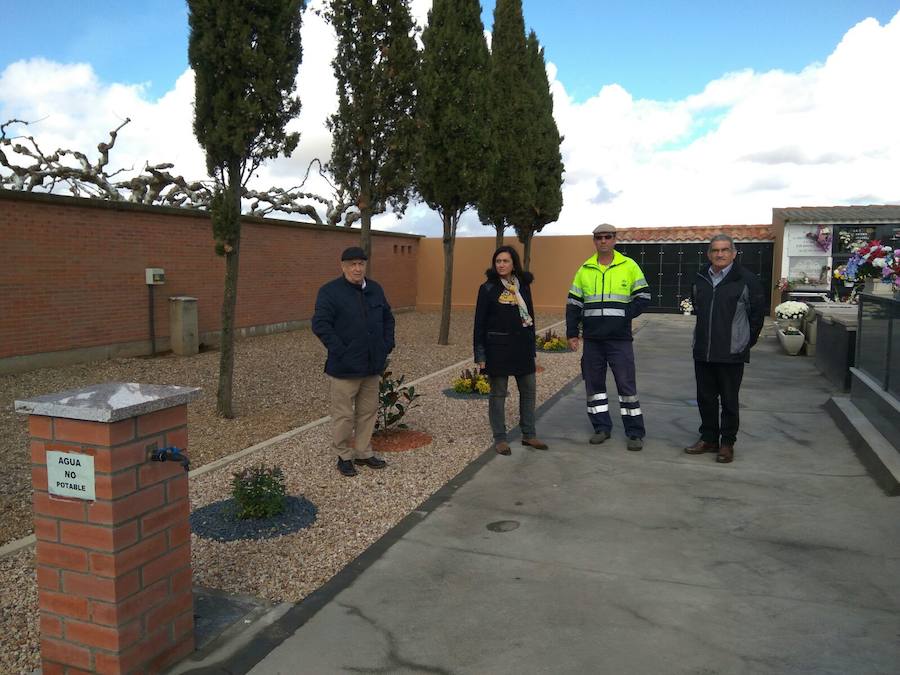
471	382
551	342
394	401
259	492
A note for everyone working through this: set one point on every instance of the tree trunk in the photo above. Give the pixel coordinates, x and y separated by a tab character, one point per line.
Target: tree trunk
499	242
526	263
365	218
450	221
229	303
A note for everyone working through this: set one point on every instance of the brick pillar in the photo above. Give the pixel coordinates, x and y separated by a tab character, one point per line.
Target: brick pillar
113	568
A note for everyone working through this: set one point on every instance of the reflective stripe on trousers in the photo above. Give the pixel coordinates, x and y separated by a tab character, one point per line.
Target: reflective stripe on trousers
618	355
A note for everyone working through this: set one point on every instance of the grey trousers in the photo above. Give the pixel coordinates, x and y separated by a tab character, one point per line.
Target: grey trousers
354	406
527	385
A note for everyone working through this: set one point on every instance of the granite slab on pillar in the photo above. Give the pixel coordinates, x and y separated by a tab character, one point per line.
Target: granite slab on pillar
108	402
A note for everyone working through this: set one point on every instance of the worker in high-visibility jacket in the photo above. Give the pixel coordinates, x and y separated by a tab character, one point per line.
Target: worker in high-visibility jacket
608	291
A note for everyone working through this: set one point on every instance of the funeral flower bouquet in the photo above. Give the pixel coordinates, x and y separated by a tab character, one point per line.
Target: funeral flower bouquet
686	306
890	274
791	310
869	261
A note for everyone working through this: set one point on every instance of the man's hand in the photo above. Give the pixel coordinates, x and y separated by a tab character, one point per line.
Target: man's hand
480	365
573	344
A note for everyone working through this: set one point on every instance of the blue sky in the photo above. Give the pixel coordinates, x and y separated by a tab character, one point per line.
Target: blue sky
659	49
674	113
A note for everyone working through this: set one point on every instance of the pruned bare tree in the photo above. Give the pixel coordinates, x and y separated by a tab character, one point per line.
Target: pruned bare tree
155	184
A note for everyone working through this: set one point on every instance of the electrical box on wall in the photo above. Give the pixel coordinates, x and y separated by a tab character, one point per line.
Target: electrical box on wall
155	276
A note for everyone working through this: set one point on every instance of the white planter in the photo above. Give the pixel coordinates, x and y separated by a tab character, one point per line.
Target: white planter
686	313
792	344
785	323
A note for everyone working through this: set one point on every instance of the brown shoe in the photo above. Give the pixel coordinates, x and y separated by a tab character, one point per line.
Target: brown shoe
502	448
726	454
535	443
700	447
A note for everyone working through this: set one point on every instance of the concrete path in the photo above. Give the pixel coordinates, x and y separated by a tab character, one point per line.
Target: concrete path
592	559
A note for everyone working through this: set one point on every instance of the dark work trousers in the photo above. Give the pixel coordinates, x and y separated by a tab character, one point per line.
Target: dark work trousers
718	383
619	356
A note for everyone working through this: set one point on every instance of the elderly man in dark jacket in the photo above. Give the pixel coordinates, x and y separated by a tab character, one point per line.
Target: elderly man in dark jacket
730	306
354	321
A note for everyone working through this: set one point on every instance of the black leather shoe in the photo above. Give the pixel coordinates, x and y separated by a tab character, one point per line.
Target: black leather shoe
702	446
345	466
371	462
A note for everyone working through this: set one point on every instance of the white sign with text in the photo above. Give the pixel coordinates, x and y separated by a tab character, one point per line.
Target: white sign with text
70	474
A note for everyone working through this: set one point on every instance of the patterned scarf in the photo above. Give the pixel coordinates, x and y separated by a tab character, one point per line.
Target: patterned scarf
513	287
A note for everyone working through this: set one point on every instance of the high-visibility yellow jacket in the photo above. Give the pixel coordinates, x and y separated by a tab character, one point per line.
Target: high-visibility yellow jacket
604	299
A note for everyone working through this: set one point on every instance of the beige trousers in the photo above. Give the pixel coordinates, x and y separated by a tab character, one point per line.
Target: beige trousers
354	406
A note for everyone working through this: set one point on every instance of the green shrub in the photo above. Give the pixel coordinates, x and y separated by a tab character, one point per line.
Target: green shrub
258	492
394	401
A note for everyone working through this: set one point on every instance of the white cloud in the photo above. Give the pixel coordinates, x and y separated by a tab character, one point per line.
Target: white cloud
748	142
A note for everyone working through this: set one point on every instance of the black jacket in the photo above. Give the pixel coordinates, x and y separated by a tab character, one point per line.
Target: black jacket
500	340
729	316
356	326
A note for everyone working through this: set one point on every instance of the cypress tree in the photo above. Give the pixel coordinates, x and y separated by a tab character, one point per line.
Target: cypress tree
451	108
546	161
373	129
510	181
245	57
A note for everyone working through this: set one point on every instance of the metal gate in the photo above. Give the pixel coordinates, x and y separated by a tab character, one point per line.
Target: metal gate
670	268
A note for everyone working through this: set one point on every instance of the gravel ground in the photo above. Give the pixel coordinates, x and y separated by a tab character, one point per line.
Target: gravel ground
279	385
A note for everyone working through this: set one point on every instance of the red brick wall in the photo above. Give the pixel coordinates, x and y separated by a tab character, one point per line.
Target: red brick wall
72	270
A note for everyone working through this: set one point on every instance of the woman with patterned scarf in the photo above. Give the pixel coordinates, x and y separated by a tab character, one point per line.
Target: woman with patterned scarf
504	344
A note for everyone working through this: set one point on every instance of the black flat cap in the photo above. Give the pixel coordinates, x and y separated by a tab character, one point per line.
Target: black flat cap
354	253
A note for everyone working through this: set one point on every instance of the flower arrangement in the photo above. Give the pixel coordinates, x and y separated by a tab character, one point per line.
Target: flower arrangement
686	305
890	274
868	261
471	382
784	285
791	310
840	273
551	342
822	237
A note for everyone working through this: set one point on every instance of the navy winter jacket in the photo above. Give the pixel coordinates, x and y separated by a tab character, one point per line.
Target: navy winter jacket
356	326
729	316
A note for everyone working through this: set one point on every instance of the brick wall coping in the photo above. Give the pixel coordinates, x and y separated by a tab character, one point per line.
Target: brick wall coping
86	202
108	402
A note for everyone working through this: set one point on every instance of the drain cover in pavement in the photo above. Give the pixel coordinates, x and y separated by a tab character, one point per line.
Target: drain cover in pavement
503	525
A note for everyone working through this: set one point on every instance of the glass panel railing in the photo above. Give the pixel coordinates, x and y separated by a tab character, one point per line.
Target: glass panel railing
875	352
894	354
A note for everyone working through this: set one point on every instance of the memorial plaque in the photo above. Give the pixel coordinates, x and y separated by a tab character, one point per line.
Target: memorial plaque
852	235
70	474
808	270
799	244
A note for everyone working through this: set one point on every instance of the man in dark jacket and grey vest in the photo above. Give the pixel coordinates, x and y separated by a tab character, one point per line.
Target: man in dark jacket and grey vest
354	321
730	305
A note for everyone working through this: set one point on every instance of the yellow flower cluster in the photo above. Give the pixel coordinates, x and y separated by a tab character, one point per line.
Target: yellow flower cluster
551	342
471	383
